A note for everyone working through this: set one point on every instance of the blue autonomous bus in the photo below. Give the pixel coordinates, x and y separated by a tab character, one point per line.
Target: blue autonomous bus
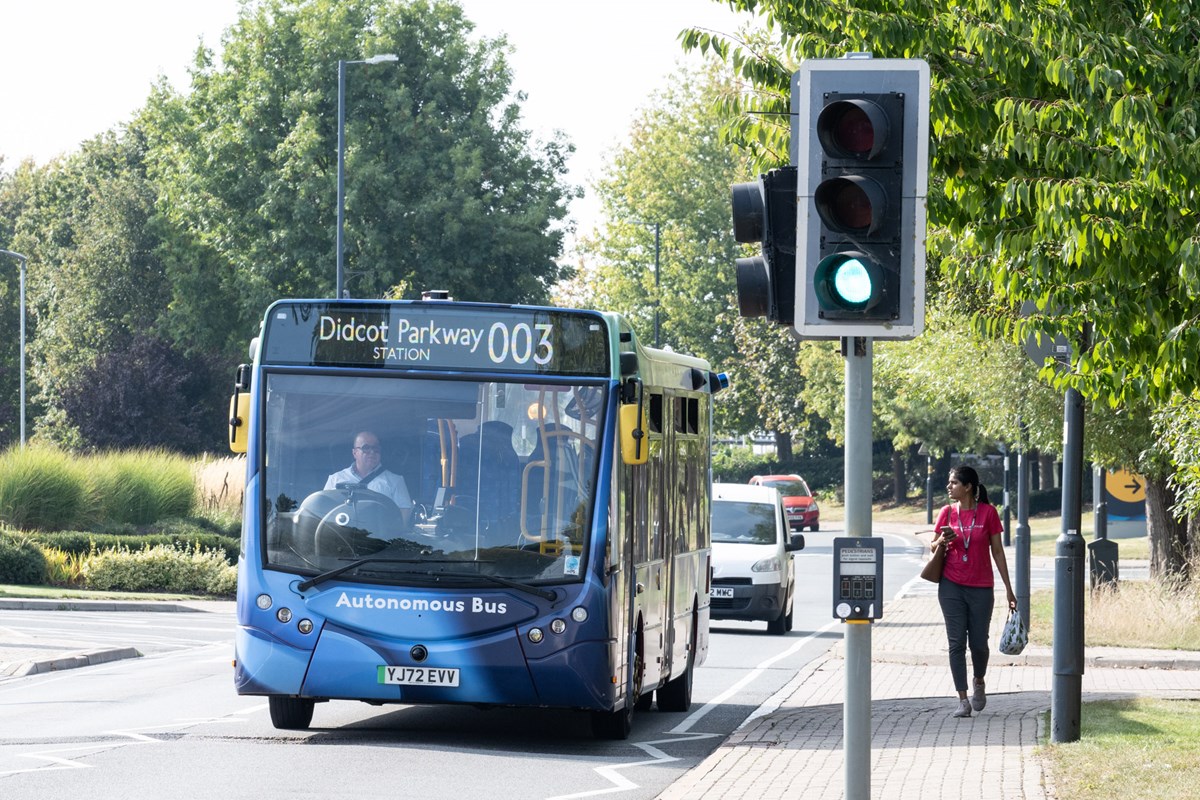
535	531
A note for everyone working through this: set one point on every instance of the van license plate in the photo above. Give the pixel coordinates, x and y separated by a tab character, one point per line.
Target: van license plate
722	592
419	676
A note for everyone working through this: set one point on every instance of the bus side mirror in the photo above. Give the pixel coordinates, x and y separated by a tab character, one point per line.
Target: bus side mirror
239	411
634	447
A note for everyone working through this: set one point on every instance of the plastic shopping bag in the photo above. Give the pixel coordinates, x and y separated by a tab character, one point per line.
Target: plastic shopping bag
1015	636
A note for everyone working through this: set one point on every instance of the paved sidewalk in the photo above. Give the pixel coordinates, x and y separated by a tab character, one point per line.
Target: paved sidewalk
792	748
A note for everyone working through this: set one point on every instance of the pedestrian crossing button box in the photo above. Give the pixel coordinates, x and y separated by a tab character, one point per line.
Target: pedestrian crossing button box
857	578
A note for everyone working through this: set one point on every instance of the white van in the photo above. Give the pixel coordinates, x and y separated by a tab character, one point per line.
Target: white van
753	574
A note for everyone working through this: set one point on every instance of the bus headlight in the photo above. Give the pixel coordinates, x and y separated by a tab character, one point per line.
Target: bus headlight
284	615
304	626
579	614
263	601
536	635
558	625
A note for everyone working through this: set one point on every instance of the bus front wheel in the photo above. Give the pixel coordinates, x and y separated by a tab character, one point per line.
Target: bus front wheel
290	713
618	724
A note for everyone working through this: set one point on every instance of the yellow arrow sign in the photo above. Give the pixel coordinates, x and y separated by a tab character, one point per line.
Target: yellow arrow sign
1125	486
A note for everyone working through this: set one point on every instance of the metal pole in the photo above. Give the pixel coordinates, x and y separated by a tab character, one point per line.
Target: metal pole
1023	537
1099	505
856	712
1007	500
22	259
1066	692
341	174
657	296
929	489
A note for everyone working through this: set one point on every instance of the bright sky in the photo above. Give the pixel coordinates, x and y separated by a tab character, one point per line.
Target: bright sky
70	69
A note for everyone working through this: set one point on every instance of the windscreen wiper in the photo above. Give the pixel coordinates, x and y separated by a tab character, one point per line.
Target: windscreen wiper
333	573
545	594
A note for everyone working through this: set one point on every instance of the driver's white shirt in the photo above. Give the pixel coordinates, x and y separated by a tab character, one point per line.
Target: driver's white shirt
386	483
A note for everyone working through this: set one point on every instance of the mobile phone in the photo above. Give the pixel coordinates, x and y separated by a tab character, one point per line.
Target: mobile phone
948	532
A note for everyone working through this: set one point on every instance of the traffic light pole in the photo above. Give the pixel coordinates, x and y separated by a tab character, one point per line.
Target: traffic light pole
856	711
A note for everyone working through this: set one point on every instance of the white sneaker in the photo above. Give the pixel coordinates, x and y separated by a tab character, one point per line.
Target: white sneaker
978	698
964	708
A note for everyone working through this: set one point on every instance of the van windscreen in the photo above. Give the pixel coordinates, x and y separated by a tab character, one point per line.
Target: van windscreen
743	523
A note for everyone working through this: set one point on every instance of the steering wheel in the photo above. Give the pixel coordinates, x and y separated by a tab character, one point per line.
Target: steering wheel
347	522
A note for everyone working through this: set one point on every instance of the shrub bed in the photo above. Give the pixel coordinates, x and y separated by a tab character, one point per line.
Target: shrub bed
82	543
21	560
162	568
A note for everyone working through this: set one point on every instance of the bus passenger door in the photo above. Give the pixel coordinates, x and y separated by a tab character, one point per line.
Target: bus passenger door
652	574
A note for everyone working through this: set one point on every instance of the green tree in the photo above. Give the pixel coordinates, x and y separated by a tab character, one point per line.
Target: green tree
95	277
1059	174
661	182
444	187
16	188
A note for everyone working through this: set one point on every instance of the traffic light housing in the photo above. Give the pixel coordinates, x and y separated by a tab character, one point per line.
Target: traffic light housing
860	140
764	211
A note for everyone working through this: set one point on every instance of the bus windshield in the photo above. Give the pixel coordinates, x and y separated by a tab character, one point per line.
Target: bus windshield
429	479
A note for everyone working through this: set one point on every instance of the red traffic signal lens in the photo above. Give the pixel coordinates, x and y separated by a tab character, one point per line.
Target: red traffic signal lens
852	129
851	204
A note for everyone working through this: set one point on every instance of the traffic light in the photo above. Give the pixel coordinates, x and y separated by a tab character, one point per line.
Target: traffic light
860	139
765	212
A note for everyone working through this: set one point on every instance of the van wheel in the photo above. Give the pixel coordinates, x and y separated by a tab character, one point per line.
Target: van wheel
778	626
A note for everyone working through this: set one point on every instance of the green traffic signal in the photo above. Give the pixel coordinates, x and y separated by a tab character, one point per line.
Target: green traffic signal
848	284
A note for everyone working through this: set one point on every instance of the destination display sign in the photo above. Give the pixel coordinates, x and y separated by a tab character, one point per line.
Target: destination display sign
436	336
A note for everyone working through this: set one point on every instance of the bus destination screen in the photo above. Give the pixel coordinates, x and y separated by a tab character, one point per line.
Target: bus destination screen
437	336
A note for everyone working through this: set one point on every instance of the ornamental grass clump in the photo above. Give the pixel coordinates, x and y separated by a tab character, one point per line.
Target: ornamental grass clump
41	488
64	568
140	486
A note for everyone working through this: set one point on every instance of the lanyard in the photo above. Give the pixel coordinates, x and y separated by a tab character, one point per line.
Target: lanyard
962	531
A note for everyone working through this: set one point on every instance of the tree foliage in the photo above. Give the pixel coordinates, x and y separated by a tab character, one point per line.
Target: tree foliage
1063	164
1063	156
162	241
146	394
444	187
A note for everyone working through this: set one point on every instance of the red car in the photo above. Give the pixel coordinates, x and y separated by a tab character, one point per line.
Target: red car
798	501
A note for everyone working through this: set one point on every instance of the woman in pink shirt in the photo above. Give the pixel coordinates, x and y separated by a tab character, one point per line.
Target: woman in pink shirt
970	529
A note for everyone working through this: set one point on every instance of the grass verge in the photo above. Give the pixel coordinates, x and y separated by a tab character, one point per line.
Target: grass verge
1142	749
1136	614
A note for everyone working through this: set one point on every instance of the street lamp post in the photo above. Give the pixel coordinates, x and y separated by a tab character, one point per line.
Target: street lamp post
22	259
657	295
341	160
657	292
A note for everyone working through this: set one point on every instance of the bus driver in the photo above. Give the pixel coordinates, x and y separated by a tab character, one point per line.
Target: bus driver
368	471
